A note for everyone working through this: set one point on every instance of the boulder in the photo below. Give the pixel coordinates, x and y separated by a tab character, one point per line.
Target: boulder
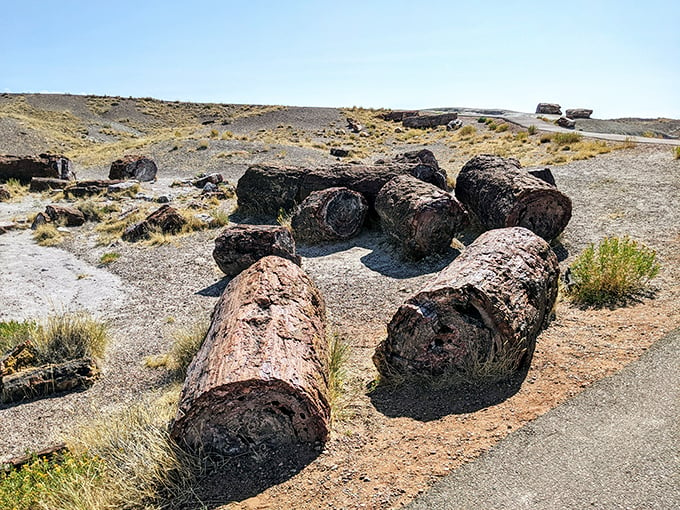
566	123
549	109
24	168
165	219
40	219
136	167
454	125
354	126
238	247
69	216
579	113
428	121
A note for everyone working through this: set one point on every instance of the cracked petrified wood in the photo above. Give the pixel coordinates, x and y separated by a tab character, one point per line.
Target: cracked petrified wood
428	121
420	217
135	167
329	215
480	316
165	219
240	246
261	375
501	194
24	168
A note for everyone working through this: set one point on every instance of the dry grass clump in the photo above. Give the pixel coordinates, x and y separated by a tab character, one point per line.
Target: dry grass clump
47	235
676	152
15	189
112	228
186	343
68	336
612	272
13	333
338	356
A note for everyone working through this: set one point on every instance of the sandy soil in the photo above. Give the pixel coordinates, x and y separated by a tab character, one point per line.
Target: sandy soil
389	445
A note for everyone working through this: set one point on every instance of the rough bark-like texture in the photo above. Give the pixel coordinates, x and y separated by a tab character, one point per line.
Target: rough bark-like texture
240	246
399	115
70	216
421	160
339	153
43	381
136	167
47	183
329	215
166	219
544	174
549	109
579	113
421	217
481	313
17	358
261	375
24	168
566	123
427	121
501	195
87	188
268	189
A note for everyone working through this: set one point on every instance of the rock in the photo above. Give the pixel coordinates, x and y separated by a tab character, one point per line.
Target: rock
238	247
88	188
214	178
69	216
209	187
163	199
354	126
364	134
423	160
4	194
121	187
39	184
428	121
579	113
24	168
340	153
136	167
205	219
399	115
165	219
144	196
454	125
329	215
40	219
566	123
6	226
549	109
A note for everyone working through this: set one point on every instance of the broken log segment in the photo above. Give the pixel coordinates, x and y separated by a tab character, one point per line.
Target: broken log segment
44	381
428	121
140	168
501	194
48	453
261	375
480	316
329	215
420	217
24	168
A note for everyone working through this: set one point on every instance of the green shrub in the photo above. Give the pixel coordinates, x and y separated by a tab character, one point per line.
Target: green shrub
532	129
566	138
109	257
617	269
481	120
13	333
676	151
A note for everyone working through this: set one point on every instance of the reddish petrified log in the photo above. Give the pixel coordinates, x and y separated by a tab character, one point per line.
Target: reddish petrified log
69	216
261	375
136	167
480	316
24	168
329	215
419	216
47	183
240	246
428	121
43	381
165	219
501	195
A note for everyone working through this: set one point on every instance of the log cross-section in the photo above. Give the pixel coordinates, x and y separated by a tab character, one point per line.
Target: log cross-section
261	375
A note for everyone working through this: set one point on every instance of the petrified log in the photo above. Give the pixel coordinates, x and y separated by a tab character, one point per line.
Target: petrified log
500	194
44	453
136	167
261	375
24	168
240	246
339	153
70	216
566	123
579	113
549	109
421	217
43	381
214	178
165	219
399	115
330	214
46	183
267	189
480	316
426	158
427	121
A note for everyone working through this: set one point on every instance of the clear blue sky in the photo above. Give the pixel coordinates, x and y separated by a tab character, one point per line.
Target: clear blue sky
621	58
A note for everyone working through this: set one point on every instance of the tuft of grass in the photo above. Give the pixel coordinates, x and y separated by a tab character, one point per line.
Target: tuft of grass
613	271
202	145
15	188
47	235
284	218
566	138
214	133
338	356
108	257
468	130
70	335
502	127
186	343
13	333
532	129
676	152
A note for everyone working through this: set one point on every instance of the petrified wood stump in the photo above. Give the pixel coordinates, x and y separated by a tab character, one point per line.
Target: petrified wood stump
240	246
136	167
480	316
330	214
420	217
261	374
501	195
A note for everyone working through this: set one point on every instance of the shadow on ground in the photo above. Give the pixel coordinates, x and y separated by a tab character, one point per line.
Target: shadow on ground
423	401
215	289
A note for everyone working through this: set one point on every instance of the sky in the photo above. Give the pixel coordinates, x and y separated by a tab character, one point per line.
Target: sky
619	58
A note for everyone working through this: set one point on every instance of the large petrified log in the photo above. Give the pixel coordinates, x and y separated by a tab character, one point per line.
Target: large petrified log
480	316
421	217
261	375
549	109
46	184
135	167
329	215
69	216
165	219
399	115
46	380
24	168
427	121
501	195
267	189
421	160
579	113
240	246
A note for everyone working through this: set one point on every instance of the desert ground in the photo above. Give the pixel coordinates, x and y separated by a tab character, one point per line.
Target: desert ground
387	444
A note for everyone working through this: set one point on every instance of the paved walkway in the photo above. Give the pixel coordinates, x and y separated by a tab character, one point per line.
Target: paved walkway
614	446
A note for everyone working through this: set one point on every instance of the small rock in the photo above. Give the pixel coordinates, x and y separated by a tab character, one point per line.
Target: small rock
40	219
163	199
7	226
340	132
454	125
204	218
340	153
398	129
214	178
566	123
364	134
71	216
144	196
209	187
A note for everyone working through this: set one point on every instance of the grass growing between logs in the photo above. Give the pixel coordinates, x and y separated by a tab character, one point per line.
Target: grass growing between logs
15	189
185	344
47	235
338	355
613	271
13	333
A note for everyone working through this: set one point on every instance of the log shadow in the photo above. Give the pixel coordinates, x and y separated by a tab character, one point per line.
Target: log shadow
220	480
215	289
424	401
560	250
35	398
388	261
